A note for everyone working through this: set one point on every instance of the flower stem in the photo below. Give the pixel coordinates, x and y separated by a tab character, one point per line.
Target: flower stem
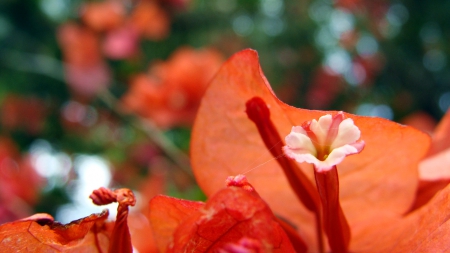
335	224
258	112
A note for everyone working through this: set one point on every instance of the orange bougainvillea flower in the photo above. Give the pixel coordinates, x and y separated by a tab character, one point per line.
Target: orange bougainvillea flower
226	142
234	218
86	72
150	20
103	16
170	92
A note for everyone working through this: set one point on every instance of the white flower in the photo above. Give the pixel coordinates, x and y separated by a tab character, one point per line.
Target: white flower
324	143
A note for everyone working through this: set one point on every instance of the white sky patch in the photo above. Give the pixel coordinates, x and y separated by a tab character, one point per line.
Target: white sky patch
243	25
49	163
367	45
272	8
57	10
272	26
341	21
338	60
93	172
320	11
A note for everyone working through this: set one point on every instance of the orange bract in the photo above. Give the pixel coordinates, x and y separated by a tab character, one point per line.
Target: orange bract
166	214
225	142
43	235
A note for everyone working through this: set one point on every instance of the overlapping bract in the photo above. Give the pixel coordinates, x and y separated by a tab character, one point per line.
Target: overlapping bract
231	215
225	142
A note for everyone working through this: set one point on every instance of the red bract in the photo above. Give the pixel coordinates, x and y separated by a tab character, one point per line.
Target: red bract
19	183
170	92
226	142
234	217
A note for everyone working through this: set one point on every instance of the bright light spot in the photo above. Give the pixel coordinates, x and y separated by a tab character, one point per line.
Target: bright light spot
272	8
272	26
444	101
367	45
434	60
225	6
356	74
93	173
324	38
48	162
383	111
243	25
430	33
397	15
74	211
320	11
338	60
341	21
57	10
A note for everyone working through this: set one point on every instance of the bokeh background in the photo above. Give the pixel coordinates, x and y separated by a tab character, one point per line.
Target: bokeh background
104	93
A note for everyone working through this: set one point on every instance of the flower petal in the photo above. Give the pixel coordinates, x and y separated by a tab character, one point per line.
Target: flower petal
300	142
348	133
335	157
300	155
321	127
